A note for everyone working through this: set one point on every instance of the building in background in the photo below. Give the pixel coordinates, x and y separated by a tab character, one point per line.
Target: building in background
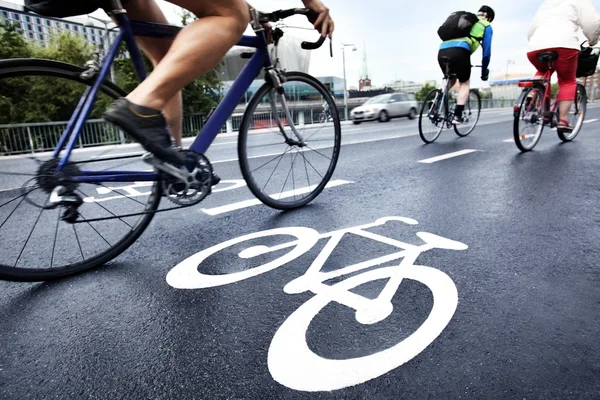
38	28
591	84
364	82
507	86
409	86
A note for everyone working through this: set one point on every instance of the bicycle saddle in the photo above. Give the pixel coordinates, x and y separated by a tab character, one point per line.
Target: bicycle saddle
547	57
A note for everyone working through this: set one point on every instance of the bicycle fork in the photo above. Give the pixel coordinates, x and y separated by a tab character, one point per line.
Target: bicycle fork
276	81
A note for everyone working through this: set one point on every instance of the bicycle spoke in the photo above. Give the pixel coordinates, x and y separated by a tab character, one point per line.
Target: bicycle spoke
318	152
55	237
262	146
15	209
288	175
124	195
272	173
78	242
309	163
17	198
306	169
17	174
31	233
276	158
293	179
106	209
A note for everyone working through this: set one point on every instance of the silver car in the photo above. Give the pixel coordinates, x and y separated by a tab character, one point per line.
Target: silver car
385	107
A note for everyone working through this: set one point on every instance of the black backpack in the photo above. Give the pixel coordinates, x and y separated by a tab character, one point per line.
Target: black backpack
62	8
458	25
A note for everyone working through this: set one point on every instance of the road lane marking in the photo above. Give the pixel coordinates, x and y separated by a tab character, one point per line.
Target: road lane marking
254	202
447	156
589	121
508	140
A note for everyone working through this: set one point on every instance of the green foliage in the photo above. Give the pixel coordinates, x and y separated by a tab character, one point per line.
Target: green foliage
421	94
554	88
13	45
44	99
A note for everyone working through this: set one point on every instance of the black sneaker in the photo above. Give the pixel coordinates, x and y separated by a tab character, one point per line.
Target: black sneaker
147	126
457	120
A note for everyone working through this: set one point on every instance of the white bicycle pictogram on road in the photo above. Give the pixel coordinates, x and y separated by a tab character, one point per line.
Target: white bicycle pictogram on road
291	362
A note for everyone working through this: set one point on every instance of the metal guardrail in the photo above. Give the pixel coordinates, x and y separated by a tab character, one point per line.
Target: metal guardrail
44	136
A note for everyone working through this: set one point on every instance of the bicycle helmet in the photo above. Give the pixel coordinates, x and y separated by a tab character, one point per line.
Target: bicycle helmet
488	11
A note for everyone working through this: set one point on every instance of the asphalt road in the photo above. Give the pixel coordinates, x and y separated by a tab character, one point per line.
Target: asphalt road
471	276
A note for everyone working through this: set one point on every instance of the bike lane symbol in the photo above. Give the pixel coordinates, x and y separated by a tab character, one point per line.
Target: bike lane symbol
290	360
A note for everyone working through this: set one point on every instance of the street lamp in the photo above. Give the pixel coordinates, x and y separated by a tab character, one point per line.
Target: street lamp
345	86
105	41
508	62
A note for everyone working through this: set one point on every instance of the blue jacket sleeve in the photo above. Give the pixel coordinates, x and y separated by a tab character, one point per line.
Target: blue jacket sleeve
487	48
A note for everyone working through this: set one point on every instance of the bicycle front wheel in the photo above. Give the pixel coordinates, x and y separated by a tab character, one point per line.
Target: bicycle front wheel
529	120
576	115
431	119
287	155
470	115
39	242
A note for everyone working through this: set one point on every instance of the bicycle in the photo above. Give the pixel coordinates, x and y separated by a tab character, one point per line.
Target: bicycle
436	110
45	221
325	115
535	108
290	359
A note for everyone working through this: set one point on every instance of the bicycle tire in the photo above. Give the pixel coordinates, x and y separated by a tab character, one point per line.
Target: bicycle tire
435	97
517	134
469	110
39	67
581	109
243	156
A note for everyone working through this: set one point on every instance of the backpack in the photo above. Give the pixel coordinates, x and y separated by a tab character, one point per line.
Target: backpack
457	26
62	8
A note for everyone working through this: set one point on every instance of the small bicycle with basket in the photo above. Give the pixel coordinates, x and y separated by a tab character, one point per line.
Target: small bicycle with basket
536	109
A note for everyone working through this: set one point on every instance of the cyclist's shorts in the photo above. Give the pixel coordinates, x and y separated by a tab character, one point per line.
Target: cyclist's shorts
460	62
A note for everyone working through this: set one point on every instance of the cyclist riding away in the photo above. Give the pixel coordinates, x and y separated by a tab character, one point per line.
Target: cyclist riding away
156	104
463	33
555	28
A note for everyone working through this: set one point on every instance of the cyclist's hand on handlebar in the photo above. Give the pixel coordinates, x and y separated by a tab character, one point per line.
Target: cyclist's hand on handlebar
485	75
324	22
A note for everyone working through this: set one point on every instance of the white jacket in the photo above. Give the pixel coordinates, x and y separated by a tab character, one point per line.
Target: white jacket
557	24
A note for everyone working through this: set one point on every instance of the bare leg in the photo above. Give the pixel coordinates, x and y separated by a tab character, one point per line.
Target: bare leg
463	93
563	109
197	49
156	49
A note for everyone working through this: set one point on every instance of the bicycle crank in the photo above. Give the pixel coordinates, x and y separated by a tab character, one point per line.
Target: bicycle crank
188	185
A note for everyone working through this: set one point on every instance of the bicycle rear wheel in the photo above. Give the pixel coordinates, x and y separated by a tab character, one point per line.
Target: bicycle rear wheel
431	119
282	169
529	120
576	115
40	243
470	115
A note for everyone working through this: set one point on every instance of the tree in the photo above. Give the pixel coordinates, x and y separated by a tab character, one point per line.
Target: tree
421	94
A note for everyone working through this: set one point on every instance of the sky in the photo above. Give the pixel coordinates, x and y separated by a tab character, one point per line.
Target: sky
400	36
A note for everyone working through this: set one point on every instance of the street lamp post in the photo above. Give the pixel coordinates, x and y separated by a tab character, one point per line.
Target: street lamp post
345	85
105	43
508	62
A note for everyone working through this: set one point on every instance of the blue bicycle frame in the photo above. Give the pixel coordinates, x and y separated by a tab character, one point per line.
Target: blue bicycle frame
127	31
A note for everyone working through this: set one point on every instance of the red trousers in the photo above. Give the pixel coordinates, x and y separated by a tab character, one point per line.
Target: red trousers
565	67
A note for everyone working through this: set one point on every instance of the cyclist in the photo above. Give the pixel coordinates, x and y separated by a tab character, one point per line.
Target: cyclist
458	51
555	28
156	103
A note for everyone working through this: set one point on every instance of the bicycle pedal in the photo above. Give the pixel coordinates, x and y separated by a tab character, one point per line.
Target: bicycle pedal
171	170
